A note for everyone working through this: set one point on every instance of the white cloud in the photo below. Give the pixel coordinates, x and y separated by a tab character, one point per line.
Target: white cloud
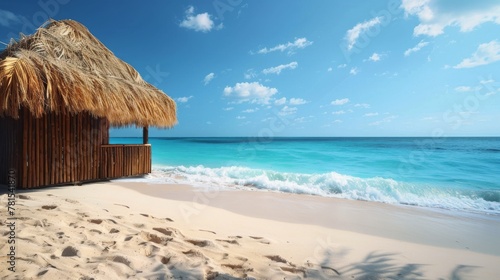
297	101
290	47
277	70
374	57
340	101
209	122
250	74
280	101
303	119
341	112
330	69
8	18
487	81
354	33
463	89
435	15
300	120
337	121
228	108
183	99
384	120
250	110
354	71
342	66
250	92
285	111
208	78
362	105
418	47
241	117
371	114
485	54
200	22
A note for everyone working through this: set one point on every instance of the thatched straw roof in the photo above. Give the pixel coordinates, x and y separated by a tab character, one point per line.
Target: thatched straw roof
63	68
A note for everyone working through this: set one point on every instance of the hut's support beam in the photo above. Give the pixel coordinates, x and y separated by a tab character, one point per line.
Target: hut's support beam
145	135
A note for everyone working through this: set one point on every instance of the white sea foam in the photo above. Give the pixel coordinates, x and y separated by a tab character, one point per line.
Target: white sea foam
328	184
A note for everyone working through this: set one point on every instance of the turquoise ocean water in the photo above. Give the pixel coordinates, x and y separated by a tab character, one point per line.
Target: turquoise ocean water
448	173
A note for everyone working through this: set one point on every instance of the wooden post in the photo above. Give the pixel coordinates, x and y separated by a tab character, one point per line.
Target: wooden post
145	136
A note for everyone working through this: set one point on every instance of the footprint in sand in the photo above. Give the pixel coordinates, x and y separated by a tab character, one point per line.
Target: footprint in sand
95	221
41	273
199	243
261	239
194	254
122	205
256	237
294	270
232	266
96	231
127	238
232	241
114	230
277	258
71	201
242	259
164	231
165	260
242	271
213	232
108	243
154	238
170	231
22	196
70	251
49	207
120	259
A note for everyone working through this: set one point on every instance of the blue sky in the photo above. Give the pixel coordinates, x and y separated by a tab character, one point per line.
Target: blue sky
297	68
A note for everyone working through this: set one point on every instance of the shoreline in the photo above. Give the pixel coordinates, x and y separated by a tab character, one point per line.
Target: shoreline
437	199
394	221
124	229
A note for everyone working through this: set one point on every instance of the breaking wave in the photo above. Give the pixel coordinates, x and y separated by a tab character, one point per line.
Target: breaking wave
332	184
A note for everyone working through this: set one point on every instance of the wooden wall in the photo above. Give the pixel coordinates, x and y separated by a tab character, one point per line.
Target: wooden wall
60	148
125	160
9	147
63	148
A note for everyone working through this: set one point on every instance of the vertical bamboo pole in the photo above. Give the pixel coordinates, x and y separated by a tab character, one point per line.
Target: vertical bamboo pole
46	152
145	135
55	147
24	150
68	148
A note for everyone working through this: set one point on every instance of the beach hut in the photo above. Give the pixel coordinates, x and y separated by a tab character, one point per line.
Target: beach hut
60	91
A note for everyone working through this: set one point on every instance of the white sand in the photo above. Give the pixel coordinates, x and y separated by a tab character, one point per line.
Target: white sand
119	230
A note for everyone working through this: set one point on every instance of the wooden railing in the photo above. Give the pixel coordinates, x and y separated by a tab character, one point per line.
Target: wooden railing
125	160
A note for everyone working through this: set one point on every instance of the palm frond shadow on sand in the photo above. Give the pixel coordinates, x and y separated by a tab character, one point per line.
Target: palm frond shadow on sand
380	265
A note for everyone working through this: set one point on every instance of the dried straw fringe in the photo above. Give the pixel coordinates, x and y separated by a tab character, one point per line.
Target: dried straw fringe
64	68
